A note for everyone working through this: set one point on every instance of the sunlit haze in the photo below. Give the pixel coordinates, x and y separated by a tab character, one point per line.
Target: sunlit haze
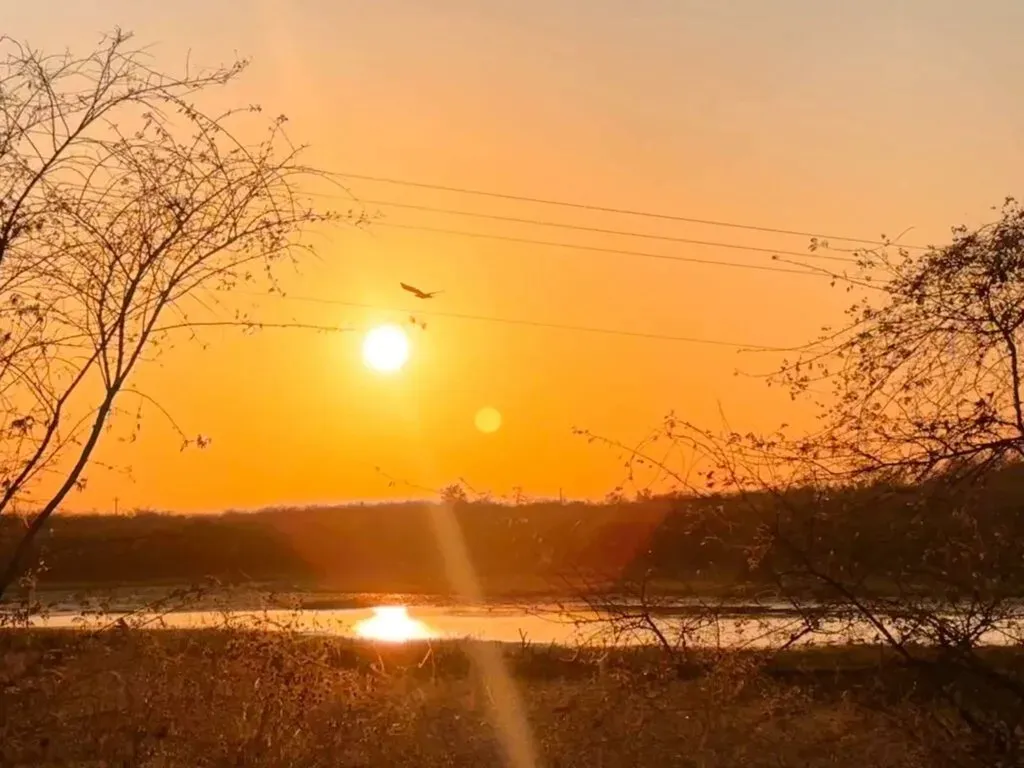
849	119
655	367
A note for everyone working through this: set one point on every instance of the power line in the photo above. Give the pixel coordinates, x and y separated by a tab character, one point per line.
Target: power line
536	324
615	251
600	230
610	209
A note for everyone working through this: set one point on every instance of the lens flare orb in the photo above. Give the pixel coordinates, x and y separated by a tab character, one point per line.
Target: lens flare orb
488	420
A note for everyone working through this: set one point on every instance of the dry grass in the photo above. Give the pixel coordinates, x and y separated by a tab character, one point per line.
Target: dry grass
261	699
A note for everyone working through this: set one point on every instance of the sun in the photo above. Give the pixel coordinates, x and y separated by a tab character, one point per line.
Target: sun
392	624
385	348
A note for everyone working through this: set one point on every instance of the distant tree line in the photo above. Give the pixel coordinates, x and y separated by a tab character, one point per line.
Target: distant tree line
886	535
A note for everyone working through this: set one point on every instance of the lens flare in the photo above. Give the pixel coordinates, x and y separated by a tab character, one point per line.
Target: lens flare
488	420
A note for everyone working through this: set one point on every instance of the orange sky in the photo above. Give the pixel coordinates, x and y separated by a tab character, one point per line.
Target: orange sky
859	121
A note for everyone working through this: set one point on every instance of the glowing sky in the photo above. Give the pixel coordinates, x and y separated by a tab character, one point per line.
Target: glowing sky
847	118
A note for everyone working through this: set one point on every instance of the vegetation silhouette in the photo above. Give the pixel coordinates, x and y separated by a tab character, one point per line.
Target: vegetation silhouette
899	510
124	210
686	544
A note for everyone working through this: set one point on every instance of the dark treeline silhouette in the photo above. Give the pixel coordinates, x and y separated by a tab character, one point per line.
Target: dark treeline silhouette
883	534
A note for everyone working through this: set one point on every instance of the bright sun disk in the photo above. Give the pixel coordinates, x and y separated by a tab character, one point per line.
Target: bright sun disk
385	348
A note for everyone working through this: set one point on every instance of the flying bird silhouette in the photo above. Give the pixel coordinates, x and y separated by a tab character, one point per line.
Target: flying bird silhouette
418	293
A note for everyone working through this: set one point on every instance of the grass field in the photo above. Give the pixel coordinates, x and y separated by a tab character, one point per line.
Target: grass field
229	698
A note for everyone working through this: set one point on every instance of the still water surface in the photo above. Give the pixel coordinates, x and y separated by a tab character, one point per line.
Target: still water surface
539	625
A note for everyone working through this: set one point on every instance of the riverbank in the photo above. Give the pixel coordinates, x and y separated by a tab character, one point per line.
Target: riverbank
192	698
671	598
248	595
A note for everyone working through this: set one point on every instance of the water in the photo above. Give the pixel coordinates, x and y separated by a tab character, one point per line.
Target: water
538	625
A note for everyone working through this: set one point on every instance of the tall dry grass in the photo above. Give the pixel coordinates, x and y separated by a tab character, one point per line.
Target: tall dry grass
251	698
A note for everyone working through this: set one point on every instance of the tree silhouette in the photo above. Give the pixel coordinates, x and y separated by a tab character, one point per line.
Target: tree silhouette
899	510
122	207
927	371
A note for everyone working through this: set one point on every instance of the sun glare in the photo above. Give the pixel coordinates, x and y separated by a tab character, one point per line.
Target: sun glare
386	349
392	624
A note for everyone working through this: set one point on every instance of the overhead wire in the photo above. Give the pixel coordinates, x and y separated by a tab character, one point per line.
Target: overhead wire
599	249
620	211
603	231
775	253
534	323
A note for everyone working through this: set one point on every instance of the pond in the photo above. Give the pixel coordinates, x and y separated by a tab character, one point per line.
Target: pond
540	624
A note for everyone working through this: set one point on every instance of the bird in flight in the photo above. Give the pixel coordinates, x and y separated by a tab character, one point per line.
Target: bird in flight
418	293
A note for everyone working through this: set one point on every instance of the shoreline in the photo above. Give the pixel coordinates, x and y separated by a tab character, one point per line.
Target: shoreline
255	596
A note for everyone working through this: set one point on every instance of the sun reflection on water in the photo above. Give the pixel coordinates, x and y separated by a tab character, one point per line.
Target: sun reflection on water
392	624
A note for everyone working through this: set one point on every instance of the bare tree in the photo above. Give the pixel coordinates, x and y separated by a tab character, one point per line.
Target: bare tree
897	519
123	209
927	370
